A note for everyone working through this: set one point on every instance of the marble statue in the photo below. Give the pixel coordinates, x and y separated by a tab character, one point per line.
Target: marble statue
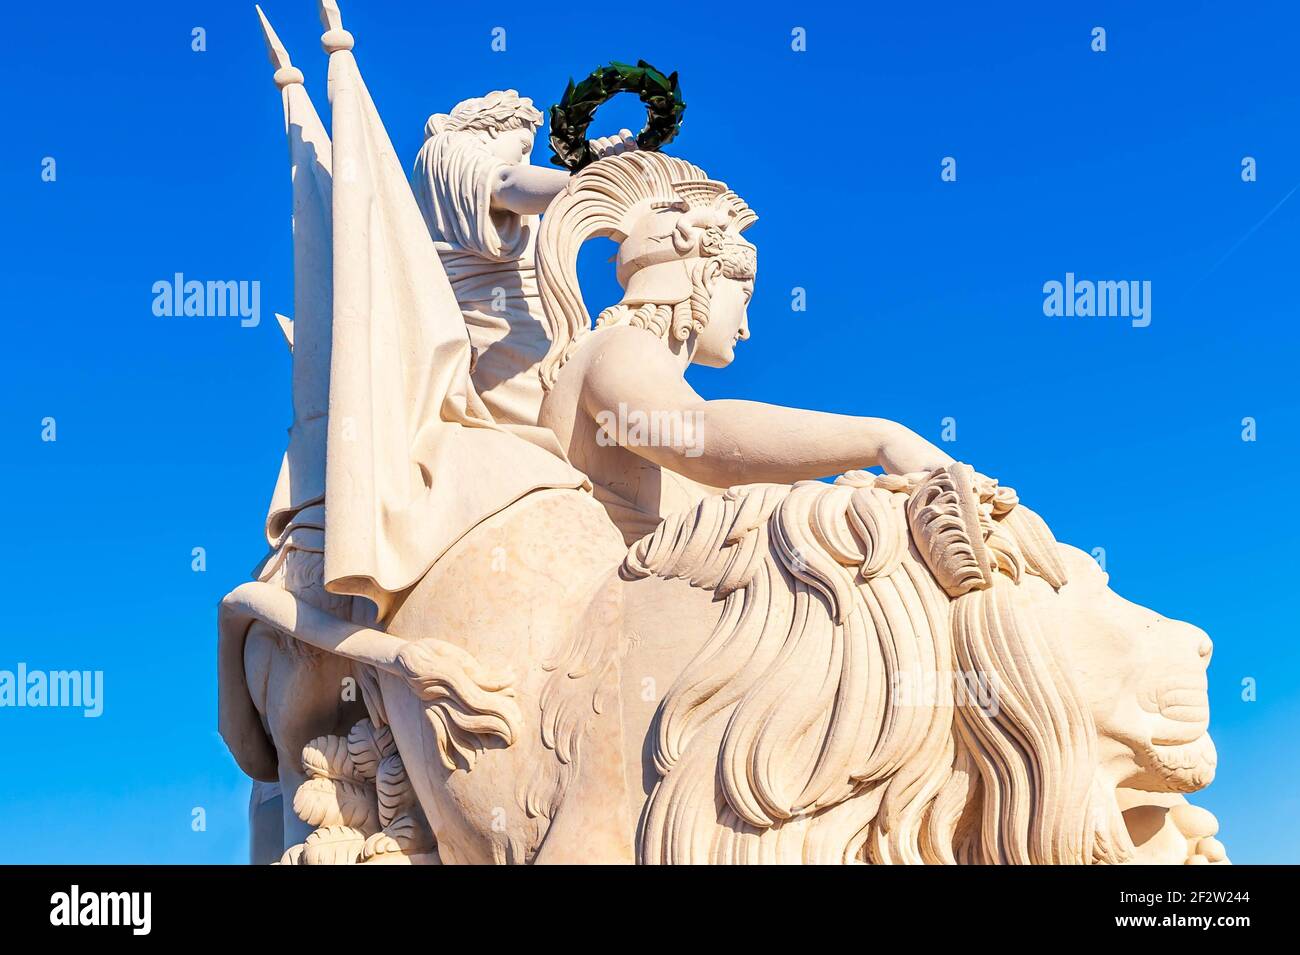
531	599
481	200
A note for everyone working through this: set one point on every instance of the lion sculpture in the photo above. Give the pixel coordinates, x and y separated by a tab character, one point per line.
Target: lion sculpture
583	647
884	670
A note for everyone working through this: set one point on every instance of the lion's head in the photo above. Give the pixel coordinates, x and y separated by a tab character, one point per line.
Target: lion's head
1142	674
911	669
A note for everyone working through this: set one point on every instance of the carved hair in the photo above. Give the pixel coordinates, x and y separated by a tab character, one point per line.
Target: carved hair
495	113
790	737
669	322
597	202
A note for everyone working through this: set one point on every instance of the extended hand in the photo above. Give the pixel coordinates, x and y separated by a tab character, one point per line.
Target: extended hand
908	452
607	146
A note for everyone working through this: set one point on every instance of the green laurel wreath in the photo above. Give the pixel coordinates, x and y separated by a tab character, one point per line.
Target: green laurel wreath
571	116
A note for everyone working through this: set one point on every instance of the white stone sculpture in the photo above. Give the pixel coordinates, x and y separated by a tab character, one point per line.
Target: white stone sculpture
481	200
619	623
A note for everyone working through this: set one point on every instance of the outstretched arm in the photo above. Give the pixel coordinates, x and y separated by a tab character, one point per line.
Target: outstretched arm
527	190
738	442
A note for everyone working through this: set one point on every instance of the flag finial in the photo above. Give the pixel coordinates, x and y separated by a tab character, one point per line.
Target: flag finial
286	74
335	38
286	326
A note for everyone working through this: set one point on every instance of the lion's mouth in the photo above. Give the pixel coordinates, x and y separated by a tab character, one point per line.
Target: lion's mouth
1182	716
1178	754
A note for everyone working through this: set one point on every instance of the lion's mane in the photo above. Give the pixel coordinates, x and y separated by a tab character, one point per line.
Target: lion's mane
832	715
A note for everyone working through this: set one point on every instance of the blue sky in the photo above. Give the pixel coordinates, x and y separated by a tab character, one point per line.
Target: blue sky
924	301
